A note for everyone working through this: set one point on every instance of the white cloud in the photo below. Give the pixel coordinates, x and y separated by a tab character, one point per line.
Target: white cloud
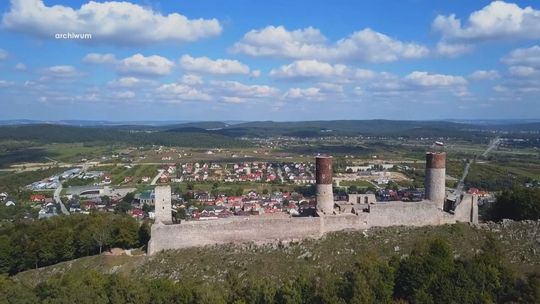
238	89
217	67
324	91
137	64
177	92
3	54
314	69
117	23
309	69
525	56
125	95
191	79
523	77
308	43
498	20
20	66
453	49
96	58
6	83
522	71
129	82
304	93
484	75
434	80
255	73
233	99
60	71
146	66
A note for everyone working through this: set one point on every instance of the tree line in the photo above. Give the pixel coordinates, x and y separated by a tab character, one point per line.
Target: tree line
430	274
31	244
518	203
71	134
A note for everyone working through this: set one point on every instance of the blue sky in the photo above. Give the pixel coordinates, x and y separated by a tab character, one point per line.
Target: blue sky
270	60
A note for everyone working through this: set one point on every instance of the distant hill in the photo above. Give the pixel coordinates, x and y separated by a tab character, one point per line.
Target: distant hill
69	134
347	128
223	134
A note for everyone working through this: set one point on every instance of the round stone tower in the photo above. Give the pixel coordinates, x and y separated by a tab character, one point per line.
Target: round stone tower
435	182
325	195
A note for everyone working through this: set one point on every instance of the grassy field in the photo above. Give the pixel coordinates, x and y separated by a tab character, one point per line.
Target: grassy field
357	183
75	152
136	172
227	187
334	254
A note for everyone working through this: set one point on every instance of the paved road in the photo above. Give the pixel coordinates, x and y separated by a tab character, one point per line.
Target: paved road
57	199
459	189
491	146
154	181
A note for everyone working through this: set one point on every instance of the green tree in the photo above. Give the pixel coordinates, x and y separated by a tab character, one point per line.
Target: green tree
519	203
144	234
101	233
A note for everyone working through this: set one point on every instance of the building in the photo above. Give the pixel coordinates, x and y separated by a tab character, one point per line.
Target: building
360	211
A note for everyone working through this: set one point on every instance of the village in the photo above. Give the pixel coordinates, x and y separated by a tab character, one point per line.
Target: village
211	190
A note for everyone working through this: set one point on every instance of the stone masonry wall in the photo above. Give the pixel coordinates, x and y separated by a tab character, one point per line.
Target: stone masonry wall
263	229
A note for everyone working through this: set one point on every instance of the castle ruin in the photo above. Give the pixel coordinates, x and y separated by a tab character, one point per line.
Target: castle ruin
359	212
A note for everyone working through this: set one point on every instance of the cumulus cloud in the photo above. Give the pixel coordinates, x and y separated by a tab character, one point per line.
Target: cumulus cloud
238	89
60	72
453	49
116	23
216	67
6	83
95	58
192	79
522	71
434	80
322	92
3	54
137	65
498	20
124	95
309	43
304	93
484	75
147	66
177	92
523	77
524	56
314	69
20	66
233	99
129	82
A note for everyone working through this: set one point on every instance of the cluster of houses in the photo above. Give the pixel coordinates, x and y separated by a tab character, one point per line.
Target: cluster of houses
55	180
207	207
299	173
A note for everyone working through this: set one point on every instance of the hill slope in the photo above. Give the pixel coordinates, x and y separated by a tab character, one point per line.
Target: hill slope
334	253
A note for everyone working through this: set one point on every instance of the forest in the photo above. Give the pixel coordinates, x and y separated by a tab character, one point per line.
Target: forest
32	244
49	133
518	203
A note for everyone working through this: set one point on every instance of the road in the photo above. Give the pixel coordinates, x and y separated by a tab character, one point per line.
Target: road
459	189
154	181
58	192
57	199
492	145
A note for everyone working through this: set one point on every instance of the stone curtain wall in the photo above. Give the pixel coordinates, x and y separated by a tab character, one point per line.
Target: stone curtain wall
233	230
263	229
